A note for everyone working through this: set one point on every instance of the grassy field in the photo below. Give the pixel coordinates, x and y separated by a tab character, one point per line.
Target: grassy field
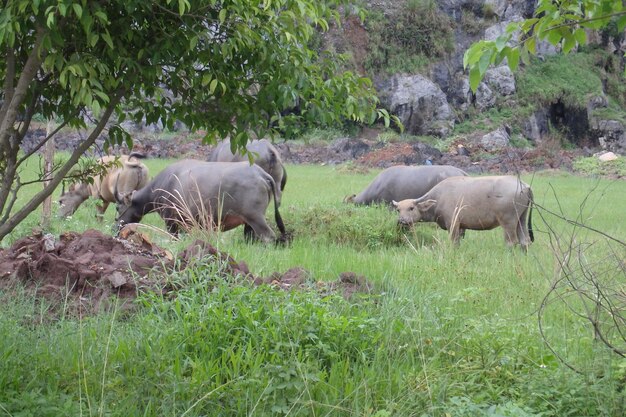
448	331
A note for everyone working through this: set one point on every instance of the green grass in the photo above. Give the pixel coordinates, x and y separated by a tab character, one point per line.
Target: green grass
448	331
593	166
572	79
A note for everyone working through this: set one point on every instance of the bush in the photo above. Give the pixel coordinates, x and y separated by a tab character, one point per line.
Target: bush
593	166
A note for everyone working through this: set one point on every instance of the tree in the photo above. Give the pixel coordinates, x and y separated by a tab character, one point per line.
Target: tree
229	67
559	22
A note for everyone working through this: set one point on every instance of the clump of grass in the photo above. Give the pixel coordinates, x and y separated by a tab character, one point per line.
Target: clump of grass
359	226
593	166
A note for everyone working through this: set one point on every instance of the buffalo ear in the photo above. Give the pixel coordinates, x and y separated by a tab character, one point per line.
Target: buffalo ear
349	198
127	199
395	203
425	205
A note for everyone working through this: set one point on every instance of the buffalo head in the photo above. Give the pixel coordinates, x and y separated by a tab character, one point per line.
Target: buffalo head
70	200
411	211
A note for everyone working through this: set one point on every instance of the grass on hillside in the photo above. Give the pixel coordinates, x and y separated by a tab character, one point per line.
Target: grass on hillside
448	331
593	166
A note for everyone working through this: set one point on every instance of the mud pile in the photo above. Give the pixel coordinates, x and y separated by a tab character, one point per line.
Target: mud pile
92	272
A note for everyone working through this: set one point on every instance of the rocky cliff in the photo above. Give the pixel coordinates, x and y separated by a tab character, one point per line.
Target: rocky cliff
413	50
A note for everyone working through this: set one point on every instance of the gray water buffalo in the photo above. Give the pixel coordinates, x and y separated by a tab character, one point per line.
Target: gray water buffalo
220	195
475	203
264	153
402	182
126	172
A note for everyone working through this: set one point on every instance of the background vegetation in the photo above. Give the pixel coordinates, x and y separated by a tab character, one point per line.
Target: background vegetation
446	332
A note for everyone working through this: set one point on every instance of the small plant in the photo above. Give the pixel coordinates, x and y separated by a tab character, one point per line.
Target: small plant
518	141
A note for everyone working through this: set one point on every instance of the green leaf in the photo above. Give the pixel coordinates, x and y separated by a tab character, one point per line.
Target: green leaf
581	36
569	43
554	37
531	46
50	20
621	23
502	41
78	10
213	85
107	38
222	16
474	78
182	6
484	62
513	58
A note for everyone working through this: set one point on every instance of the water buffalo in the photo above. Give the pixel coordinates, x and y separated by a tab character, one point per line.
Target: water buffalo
402	182
125	172
220	195
264	153
476	203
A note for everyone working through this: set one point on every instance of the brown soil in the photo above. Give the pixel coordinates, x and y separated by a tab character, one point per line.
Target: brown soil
78	274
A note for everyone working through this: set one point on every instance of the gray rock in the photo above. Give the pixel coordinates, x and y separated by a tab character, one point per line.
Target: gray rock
485	98
500	79
497	139
419	103
536	126
498	7
611	135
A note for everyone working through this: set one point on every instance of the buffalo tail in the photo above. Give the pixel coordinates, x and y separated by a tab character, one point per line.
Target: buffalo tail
530	215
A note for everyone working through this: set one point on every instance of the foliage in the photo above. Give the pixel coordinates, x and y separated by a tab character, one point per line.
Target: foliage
229	67
409	40
561	23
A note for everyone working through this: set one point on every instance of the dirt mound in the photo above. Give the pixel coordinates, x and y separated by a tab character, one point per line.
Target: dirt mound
80	273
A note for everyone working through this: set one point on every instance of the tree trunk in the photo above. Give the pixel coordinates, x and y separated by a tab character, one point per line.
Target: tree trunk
46	212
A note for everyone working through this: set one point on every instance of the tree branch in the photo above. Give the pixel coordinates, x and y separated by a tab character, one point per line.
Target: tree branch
30	206
9	86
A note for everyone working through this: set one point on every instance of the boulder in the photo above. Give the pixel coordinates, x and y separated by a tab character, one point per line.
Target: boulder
500	79
607	156
497	139
536	126
485	98
611	134
419	104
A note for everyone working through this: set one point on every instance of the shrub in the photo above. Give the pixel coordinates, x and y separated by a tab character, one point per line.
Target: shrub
409	40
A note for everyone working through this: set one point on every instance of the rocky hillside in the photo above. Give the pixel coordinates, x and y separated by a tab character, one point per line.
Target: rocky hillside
413	50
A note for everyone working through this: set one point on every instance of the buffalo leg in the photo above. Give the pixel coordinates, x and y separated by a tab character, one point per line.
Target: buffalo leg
522	232
262	230
510	234
248	233
455	233
101	208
